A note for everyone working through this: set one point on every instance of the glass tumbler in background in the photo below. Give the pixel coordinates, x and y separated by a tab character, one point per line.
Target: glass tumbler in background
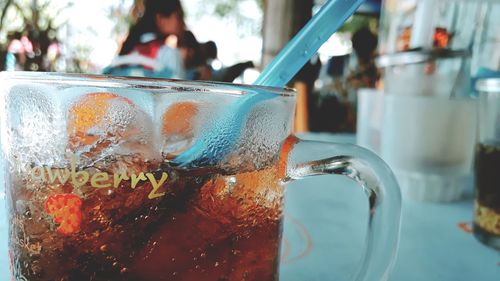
487	166
428	128
429	142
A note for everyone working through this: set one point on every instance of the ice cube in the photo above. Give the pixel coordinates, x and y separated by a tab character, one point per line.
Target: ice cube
178	126
104	124
35	132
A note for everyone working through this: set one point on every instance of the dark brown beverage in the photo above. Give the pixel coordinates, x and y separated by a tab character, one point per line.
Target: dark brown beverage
204	227
487	205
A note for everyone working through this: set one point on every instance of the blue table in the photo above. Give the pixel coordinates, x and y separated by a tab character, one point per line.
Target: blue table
325	226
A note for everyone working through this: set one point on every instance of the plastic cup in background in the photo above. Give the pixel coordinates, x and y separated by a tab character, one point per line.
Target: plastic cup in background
429	141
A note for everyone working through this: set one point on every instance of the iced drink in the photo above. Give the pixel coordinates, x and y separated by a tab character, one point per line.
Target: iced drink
92	194
487	177
487	205
96	190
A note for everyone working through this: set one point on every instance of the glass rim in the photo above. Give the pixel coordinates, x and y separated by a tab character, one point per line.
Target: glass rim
417	56
488	85
144	83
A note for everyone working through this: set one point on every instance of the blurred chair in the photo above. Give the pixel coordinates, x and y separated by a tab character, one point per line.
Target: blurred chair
137	65
304	84
228	74
301	123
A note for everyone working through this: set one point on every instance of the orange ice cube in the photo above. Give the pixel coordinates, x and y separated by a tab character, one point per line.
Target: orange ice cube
179	118
89	112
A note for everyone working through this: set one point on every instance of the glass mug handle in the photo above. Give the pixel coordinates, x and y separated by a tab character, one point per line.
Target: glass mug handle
378	183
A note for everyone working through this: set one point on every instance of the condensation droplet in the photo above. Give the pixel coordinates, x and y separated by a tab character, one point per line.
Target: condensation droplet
103	248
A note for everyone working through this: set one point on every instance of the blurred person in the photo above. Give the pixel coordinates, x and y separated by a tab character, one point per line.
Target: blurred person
338	98
198	58
365	73
144	52
18	51
228	74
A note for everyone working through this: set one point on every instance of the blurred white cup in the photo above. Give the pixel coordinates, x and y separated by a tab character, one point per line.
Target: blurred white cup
369	118
429	143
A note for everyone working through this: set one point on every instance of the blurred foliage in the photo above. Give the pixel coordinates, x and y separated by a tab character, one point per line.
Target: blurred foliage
35	20
125	15
232	11
357	22
79	62
223	8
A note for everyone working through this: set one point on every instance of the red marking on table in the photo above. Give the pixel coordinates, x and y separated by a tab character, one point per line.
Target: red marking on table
305	235
286	249
465	227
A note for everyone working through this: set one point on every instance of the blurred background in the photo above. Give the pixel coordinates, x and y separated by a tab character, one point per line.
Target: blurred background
85	37
380	47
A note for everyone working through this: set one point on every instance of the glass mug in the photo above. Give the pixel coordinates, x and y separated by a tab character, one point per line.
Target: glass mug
92	195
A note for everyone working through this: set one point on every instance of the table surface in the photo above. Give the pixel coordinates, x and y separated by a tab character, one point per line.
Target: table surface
325	223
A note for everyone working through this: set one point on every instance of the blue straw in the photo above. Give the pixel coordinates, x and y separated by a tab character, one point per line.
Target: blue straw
306	43
219	139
